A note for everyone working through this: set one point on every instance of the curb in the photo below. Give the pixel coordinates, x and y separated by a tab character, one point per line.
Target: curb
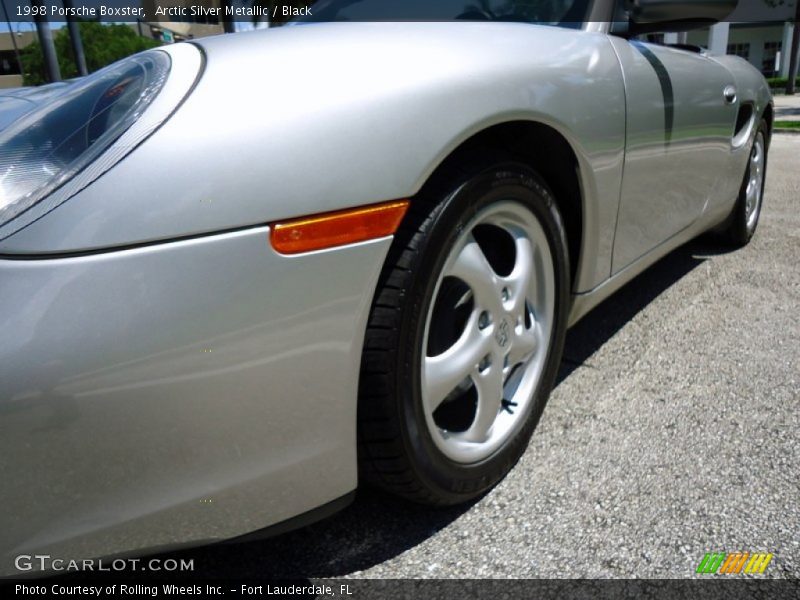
786	131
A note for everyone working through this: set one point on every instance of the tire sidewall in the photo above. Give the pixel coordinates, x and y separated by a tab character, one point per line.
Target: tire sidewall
502	182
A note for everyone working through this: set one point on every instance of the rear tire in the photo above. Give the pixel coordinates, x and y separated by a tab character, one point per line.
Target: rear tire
744	219
465	334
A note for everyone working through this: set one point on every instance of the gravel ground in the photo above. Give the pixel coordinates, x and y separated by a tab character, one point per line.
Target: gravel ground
672	432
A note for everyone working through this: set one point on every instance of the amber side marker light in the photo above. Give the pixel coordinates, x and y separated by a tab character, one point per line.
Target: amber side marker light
339	228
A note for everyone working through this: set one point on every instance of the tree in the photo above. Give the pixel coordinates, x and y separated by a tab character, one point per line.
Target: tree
103	45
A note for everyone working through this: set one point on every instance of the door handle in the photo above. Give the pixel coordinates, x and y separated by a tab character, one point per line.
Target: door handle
730	94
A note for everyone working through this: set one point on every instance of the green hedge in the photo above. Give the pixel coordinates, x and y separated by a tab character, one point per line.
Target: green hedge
780	82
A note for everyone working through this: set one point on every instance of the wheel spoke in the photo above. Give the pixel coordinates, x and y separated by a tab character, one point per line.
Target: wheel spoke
523	345
519	282
489	385
444	372
473	269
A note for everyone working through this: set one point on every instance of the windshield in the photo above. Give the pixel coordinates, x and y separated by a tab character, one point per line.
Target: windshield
567	13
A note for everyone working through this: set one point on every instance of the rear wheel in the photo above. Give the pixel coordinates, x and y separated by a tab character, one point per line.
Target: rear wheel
744	220
465	335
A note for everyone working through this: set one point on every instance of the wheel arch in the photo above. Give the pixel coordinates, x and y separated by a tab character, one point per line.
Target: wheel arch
545	149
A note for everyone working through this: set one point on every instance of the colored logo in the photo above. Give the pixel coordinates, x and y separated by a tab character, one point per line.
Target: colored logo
734	563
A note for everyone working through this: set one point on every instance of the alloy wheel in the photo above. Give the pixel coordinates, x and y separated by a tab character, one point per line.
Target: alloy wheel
487	332
755	184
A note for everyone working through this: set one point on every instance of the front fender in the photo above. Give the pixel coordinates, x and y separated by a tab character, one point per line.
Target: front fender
313	118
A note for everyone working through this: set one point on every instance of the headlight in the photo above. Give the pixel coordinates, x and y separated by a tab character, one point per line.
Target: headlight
59	148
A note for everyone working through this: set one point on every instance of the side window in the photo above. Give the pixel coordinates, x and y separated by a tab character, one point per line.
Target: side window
619	20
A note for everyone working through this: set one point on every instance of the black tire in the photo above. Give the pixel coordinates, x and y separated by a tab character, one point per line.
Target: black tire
740	227
396	450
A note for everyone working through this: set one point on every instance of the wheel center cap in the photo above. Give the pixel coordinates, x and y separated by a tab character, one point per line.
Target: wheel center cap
503	334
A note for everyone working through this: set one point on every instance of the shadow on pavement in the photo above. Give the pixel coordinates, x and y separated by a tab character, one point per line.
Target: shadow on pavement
597	327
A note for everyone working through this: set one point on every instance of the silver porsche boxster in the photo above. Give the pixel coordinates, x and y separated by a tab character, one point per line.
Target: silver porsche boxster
238	274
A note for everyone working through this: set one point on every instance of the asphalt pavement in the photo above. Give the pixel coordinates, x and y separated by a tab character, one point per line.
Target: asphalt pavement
673	431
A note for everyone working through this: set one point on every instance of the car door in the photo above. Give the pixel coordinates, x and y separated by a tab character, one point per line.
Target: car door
678	141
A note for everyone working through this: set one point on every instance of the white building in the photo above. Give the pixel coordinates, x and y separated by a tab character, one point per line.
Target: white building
757	32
